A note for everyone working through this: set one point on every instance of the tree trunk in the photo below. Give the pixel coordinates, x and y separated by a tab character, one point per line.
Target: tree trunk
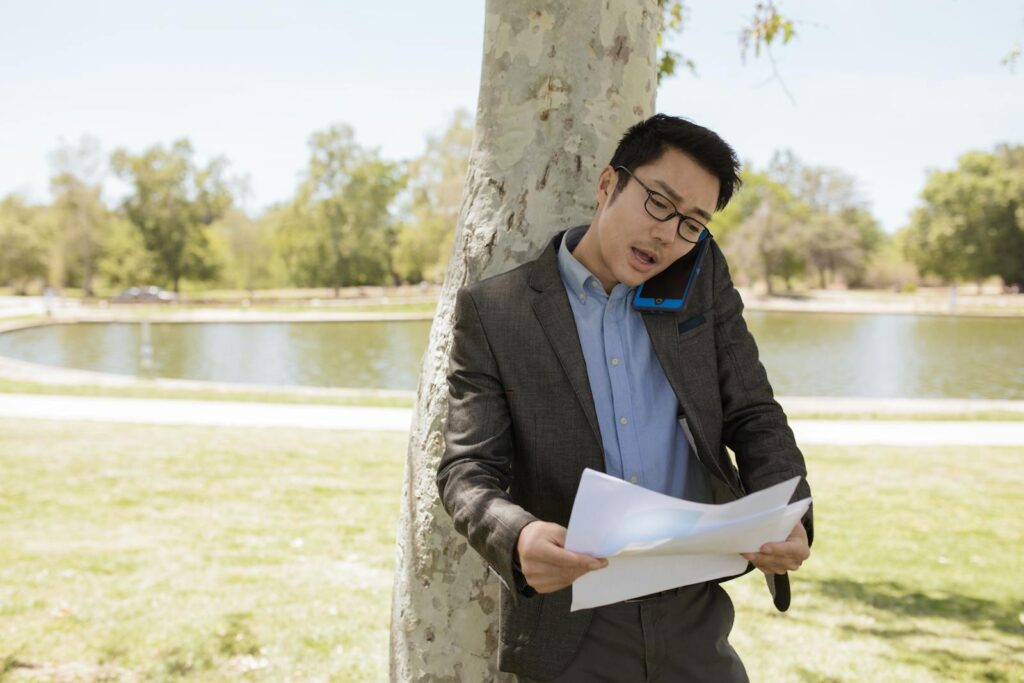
560	83
85	229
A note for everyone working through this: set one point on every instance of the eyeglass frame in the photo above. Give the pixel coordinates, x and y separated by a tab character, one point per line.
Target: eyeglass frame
704	234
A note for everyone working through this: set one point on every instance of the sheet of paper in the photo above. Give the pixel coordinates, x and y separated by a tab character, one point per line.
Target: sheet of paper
654	542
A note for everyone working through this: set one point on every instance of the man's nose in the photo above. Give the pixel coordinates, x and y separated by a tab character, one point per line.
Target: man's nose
665	231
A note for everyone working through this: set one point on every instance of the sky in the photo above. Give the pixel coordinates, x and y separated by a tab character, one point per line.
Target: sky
883	90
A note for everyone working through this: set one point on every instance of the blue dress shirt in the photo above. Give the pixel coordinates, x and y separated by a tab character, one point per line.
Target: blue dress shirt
637	411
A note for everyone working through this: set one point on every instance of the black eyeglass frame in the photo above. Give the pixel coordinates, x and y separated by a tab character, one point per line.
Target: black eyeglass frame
704	233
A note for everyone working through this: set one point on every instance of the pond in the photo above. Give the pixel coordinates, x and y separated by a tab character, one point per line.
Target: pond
806	354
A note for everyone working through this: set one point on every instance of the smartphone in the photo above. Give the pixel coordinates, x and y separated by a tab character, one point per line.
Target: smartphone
668	290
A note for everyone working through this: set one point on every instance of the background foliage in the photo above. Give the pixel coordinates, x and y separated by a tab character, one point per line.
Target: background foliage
359	219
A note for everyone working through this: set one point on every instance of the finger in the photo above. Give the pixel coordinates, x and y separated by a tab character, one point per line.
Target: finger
798	532
570	560
556	556
795	549
773	564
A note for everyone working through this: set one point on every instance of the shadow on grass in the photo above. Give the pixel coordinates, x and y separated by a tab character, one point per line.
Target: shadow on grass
975	614
901	600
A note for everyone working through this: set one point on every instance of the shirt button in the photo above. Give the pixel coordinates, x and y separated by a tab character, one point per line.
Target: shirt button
615	361
583	297
633	479
623	420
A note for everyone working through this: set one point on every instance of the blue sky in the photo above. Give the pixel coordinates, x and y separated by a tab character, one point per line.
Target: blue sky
883	89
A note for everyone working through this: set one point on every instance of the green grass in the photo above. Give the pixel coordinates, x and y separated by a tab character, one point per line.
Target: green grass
159	553
914	576
356	398
188	553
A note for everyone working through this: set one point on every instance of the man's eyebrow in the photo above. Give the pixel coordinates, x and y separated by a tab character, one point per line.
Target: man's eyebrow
674	196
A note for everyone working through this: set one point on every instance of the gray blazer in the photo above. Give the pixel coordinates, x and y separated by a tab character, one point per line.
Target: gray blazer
522	427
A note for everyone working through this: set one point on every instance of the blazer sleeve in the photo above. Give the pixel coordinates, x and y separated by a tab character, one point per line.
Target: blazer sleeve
754	425
476	470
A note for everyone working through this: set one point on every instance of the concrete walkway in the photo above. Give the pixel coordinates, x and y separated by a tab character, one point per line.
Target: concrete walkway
213	413
304	416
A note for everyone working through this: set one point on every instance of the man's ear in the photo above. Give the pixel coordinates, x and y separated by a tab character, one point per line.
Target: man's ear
606	185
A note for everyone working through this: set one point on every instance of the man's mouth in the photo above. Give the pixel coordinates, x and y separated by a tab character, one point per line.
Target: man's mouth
645	257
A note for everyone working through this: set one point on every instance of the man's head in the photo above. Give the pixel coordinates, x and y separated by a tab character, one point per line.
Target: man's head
666	164
646	141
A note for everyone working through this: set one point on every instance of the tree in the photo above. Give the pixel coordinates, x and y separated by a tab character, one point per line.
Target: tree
763	229
792	217
124	261
22	242
245	243
559	85
173	203
435	183
339	229
79	212
971	223
839	233
248	251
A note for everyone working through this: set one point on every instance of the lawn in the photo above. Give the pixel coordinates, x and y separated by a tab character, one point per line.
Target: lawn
173	553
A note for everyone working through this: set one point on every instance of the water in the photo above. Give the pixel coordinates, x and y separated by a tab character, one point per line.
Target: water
806	354
384	355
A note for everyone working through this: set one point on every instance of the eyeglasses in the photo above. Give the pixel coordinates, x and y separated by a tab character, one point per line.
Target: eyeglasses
660	208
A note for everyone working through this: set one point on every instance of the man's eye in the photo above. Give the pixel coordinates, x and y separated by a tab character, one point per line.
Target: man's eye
658	203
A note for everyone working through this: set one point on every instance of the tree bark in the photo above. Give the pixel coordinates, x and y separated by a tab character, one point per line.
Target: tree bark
560	83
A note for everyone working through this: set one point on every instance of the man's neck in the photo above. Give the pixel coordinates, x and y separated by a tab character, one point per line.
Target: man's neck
587	252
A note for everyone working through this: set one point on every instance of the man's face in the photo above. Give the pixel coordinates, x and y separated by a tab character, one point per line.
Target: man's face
626	244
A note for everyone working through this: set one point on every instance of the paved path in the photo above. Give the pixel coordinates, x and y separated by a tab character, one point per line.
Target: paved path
304	416
219	413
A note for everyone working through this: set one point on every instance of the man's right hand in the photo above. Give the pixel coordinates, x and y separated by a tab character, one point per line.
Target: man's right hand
545	562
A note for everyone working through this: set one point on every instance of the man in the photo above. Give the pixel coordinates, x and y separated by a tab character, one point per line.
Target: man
553	370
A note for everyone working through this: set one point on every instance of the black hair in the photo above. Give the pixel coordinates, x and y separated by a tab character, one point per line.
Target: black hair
646	141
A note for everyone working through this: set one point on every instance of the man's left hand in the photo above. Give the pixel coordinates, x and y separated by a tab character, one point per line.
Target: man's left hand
782	557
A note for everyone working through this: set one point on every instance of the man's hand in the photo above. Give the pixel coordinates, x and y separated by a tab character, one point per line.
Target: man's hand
545	562
787	556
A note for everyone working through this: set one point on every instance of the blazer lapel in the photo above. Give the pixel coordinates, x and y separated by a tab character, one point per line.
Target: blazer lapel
556	319
664	333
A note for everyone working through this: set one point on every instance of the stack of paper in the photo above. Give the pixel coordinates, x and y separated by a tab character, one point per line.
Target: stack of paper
654	542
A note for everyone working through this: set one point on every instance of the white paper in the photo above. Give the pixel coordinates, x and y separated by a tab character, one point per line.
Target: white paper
654	542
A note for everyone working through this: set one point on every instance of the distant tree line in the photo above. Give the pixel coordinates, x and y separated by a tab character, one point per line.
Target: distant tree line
355	219
359	219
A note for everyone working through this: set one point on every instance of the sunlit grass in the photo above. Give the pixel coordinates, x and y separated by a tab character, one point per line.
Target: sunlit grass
161	553
196	553
915	572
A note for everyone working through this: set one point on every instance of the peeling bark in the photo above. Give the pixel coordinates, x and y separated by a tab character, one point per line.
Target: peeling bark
545	128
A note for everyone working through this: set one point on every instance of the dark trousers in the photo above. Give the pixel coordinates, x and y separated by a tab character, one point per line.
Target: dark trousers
682	636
